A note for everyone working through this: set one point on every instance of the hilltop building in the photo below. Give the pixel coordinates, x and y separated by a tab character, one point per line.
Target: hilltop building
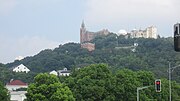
88	46
21	68
64	72
86	36
122	32
149	32
54	73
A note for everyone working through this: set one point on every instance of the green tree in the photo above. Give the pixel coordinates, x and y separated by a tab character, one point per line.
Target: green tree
4	96
126	85
92	83
48	88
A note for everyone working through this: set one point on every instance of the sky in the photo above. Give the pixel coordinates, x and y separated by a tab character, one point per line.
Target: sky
30	26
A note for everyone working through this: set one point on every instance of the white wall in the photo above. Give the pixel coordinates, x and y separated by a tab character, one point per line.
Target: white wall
18	95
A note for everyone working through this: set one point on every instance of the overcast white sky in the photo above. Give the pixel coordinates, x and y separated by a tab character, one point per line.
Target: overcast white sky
28	26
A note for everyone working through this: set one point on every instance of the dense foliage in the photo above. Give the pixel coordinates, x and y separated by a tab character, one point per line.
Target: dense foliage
7	74
116	51
48	88
97	83
4	96
92	83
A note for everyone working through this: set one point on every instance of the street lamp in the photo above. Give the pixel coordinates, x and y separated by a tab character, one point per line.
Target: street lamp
140	88
170	71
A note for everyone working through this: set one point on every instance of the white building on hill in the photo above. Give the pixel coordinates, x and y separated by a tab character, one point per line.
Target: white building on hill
149	32
54	73
64	72
21	68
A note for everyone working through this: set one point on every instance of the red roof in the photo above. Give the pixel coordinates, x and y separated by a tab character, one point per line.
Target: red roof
17	82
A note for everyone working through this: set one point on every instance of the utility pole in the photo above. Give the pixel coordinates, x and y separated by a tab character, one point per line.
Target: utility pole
170	71
169	81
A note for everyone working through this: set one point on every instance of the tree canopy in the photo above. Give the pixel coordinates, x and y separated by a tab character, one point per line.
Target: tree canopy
92	83
97	83
116	51
48	88
4	95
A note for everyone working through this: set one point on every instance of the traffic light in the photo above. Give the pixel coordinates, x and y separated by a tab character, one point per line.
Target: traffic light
177	37
158	85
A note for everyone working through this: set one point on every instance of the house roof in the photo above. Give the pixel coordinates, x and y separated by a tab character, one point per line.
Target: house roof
53	72
68	71
64	71
17	82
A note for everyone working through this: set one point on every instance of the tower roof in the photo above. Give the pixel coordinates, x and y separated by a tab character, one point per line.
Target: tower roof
83	25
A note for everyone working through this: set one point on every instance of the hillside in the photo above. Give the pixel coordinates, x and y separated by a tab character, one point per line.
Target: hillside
117	52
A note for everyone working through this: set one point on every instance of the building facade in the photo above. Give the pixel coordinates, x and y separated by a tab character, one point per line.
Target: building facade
21	68
64	72
86	36
88	46
18	95
149	32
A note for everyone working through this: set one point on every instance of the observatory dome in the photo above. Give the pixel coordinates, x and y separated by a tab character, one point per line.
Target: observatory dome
122	32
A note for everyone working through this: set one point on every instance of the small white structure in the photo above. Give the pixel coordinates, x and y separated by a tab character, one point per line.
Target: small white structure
21	68
135	44
64	72
19	58
18	95
54	73
122	32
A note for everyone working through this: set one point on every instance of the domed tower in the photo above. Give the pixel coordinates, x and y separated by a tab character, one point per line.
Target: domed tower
82	32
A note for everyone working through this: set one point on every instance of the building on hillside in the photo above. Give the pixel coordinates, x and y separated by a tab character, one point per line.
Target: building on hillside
54	73
122	32
21	68
86	36
88	46
64	72
16	84
149	32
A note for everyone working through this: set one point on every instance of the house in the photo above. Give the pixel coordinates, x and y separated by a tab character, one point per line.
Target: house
12	87
21	68
54	73
18	95
64	72
16	84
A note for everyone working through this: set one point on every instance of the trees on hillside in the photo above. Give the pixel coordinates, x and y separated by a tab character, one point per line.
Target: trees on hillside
97	83
150	54
4	96
48	88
